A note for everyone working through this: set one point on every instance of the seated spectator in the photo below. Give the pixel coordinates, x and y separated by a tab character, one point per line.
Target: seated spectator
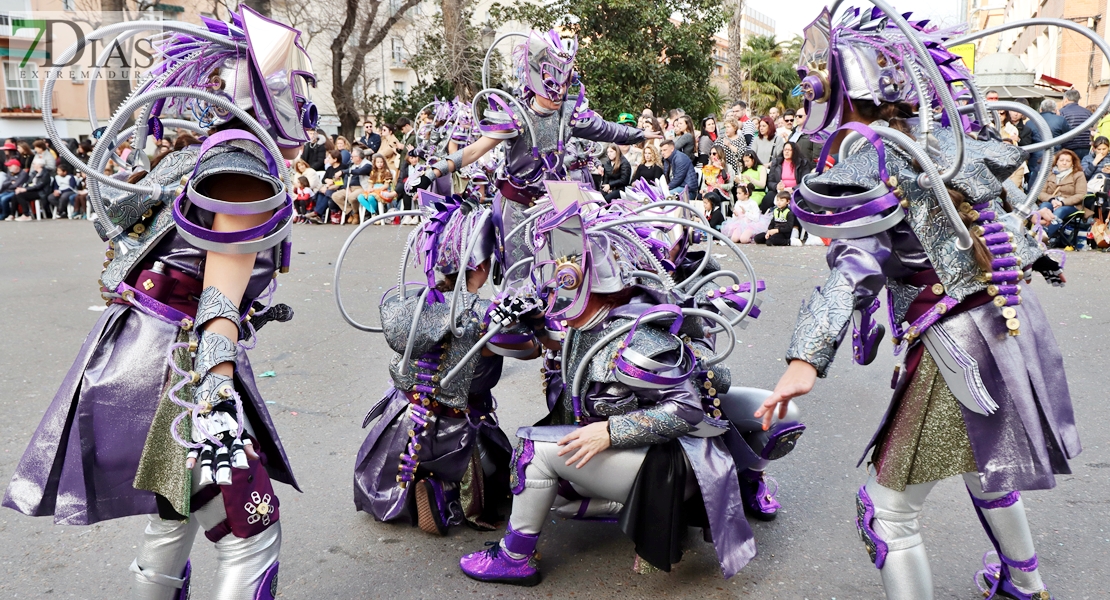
755	175
63	190
357	180
80	197
17	178
746	220
381	196
46	154
782	223
1099	160
616	174
1063	192
734	143
679	170
684	136
329	184
38	186
652	167
713	211
708	135
302	196
344	148
302	169
718	178
787	170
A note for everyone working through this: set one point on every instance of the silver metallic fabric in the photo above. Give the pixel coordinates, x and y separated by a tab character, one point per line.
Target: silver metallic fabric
240	562
646	426
822	322
609	475
906	574
213	349
1010	529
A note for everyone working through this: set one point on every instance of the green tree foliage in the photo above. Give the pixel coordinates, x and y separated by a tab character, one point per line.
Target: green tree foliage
631	55
768	76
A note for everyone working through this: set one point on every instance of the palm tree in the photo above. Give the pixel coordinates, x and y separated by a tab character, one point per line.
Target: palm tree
735	51
768	77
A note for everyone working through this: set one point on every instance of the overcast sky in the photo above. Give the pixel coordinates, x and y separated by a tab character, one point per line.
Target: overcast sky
791	16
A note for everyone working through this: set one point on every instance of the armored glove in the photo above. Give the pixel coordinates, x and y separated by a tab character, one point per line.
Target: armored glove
1051	269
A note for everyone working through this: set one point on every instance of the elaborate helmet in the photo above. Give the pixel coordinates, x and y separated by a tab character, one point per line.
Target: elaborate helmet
545	64
256	62
867	57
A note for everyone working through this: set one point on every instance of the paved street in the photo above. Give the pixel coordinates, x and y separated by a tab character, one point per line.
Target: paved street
327	375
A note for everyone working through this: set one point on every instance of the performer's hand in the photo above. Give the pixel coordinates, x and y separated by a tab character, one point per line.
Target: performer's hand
585	442
653	135
797	381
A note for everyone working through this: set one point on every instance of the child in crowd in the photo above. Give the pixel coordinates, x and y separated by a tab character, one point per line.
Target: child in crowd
302	196
782	223
65	188
746	221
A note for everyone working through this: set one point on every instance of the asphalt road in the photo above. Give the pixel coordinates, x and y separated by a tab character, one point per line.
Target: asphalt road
327	374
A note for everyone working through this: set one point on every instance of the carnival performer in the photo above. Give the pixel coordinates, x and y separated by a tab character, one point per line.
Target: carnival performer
981	391
160	415
437	455
636	424
536	125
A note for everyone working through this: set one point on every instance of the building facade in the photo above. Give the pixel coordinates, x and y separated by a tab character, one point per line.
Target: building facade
1063	55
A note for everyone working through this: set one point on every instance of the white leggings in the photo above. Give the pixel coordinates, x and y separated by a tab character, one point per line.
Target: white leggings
906	574
609	476
241	563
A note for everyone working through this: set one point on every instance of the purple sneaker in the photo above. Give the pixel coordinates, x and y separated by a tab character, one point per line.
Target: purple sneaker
495	565
994	582
759	498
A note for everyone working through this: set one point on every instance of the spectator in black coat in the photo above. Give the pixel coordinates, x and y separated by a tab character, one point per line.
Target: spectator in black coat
788	169
39	184
315	151
16	179
617	173
1075	115
370	138
652	167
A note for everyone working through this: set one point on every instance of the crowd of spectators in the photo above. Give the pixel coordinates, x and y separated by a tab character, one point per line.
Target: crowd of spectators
742	167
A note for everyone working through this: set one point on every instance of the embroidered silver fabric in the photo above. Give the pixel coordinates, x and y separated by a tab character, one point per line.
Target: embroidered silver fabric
213	349
127	209
456	394
619	400
821	323
722	377
986	163
120	266
648	341
208	387
903	295
397	315
213	304
547	131
647	426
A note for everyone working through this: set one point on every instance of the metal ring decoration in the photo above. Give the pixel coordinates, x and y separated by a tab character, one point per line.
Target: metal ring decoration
723	325
489	54
933	179
114	231
512	100
700	215
713	233
1045	168
339	268
464	260
1097	40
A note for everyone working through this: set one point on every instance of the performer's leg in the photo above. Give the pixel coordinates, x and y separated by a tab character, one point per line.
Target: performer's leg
537	468
740	404
1003	517
244	566
888	522
161	567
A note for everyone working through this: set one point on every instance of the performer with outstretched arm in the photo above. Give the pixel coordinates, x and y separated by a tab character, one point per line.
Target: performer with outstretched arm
919	206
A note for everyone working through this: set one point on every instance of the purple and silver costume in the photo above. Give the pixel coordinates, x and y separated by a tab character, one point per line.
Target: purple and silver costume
437	454
117	438
980	390
648	366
